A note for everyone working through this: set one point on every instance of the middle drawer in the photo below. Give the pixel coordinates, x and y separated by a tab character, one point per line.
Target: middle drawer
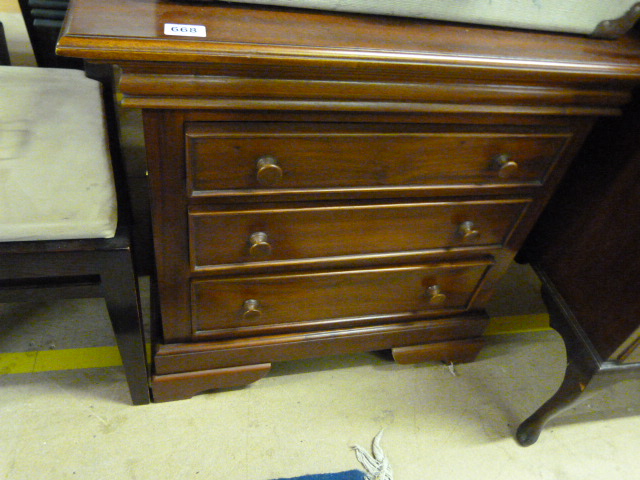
223	238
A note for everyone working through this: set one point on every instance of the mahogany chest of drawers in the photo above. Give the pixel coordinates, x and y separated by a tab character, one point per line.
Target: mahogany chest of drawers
325	183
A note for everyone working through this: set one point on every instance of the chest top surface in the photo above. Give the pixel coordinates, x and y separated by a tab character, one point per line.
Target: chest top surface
134	31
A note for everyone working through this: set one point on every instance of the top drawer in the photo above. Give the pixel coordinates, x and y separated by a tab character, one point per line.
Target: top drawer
251	157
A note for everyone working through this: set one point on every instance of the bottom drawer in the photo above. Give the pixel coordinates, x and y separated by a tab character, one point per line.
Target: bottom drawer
237	306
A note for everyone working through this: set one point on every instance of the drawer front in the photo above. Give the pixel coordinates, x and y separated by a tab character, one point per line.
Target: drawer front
227	156
221	238
247	304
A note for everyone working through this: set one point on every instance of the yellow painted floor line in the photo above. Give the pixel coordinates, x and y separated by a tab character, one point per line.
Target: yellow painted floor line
518	324
100	357
69	359
20	362
77	358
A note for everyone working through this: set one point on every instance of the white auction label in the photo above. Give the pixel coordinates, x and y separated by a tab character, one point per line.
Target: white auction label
181	30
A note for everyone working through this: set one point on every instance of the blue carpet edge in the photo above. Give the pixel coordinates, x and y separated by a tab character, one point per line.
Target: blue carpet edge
348	475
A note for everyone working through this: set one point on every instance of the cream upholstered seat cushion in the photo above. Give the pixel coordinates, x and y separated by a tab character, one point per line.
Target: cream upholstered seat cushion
56	180
574	16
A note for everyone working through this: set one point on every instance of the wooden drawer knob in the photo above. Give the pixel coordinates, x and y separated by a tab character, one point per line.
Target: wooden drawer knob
507	168
259	245
467	231
251	311
268	172
435	295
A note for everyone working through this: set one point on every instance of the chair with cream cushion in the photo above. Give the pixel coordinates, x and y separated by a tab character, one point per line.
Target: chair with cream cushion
60	234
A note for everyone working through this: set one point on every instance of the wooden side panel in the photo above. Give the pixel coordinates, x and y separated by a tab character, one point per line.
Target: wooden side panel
165	158
587	240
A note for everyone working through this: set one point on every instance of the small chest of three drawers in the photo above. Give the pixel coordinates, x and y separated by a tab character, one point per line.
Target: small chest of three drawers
306	238
315	238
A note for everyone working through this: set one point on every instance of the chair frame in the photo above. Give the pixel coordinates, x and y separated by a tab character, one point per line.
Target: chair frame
87	268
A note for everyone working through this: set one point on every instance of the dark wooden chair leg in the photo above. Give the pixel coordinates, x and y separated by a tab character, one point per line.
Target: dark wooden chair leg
4	49
582	366
121	295
573	385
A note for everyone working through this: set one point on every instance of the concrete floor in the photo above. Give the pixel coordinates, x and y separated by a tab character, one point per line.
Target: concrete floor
305	416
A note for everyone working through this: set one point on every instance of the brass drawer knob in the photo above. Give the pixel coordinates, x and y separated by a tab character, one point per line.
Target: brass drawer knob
268	172
435	295
507	168
467	231
251	311
259	245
